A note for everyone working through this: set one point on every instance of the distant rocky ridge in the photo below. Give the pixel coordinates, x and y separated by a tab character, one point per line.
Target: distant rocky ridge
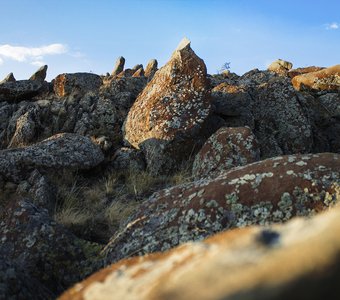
262	148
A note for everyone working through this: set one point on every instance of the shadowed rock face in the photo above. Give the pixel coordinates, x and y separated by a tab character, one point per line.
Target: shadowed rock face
13	91
168	115
225	149
273	190
296	260
44	249
325	79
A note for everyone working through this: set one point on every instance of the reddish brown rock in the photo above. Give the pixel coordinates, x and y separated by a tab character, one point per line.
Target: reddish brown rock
273	190
139	72
299	71
280	67
166	118
76	83
325	79
296	260
227	148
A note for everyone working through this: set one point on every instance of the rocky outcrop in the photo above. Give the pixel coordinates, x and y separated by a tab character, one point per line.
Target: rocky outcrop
8	78
40	75
76	84
14	91
60	151
280	67
273	190
46	251
168	115
119	66
299	71
325	79
227	148
128	159
151	68
297	260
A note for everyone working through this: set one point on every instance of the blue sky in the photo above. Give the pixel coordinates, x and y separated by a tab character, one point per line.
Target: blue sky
88	35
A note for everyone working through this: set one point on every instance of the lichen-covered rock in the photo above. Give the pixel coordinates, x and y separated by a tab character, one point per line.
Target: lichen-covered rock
325	79
26	128
273	190
227	148
167	116
44	249
119	66
296	260
76	83
281	123
331	102
40	74
13	91
280	67
9	78
151	68
299	71
16	283
60	151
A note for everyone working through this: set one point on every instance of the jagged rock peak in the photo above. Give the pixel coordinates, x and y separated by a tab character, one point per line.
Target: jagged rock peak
8	78
119	66
184	44
40	74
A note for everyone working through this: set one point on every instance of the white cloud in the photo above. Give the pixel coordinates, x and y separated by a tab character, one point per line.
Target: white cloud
38	63
332	26
1	61
31	54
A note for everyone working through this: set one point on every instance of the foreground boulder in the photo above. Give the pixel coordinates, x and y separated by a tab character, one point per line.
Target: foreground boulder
325	79
46	251
76	84
227	148
273	190
167	117
297	260
65	150
14	91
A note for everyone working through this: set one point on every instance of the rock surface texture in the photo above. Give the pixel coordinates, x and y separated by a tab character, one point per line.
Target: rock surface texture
273	190
167	117
227	148
297	260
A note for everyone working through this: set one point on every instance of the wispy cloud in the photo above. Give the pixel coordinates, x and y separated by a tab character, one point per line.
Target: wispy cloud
33	55
332	26
1	61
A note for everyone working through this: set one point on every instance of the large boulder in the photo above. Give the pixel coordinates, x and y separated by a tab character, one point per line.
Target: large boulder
298	260
325	79
280	67
44	249
60	151
273	190
227	148
14	91
76	84
167	117
299	71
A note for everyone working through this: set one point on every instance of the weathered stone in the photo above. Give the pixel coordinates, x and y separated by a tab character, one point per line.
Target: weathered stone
40	75
151	68
296	260
325	79
127	159
45	250
299	71
60	151
76	83
225	149
281	123
125	73
119	66
167	116
273	190
139	72
19	90
280	66
136	67
331	102
8	78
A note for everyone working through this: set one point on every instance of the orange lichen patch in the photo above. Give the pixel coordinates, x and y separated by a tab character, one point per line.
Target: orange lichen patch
300	71
325	79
